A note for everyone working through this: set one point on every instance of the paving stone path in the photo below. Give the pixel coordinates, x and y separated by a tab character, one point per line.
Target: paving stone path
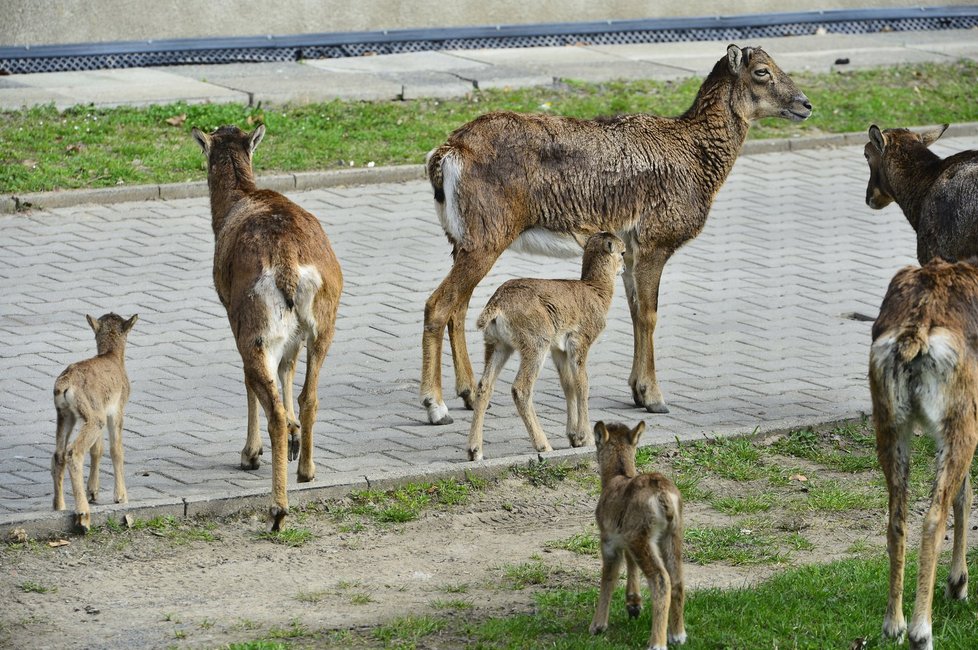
755	330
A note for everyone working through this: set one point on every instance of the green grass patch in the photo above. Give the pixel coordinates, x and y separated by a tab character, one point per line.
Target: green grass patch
734	505
846	448
296	630
520	576
453	604
312	596
288	537
46	149
404	503
31	587
542	473
738	545
807	608
407	631
738	459
580	543
831	496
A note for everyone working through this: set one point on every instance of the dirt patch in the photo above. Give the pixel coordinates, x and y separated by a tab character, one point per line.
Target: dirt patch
211	583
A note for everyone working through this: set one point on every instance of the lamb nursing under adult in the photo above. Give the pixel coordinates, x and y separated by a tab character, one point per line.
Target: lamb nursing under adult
544	183
533	316
278	279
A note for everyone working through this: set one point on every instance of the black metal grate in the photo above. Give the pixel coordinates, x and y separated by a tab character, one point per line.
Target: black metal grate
28	64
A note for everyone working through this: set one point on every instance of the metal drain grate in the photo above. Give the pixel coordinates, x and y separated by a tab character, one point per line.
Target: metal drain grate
21	61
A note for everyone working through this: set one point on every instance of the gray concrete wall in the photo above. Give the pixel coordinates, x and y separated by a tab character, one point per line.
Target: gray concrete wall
50	22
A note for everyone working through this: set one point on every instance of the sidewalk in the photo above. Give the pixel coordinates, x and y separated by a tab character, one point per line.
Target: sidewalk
755	327
454	73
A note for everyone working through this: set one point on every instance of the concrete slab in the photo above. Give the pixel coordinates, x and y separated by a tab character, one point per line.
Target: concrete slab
290	82
393	63
130	87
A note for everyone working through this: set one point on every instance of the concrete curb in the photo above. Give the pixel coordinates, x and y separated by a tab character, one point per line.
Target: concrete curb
369	176
44	525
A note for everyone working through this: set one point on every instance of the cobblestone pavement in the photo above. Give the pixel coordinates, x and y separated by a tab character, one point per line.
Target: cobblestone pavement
755	330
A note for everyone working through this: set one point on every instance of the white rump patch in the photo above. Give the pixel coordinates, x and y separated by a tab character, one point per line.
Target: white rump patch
540	241
310	281
286	329
448	213
919	395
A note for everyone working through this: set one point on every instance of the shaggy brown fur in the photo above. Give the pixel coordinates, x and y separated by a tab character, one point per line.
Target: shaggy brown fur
564	316
640	517
507	176
923	373
278	279
95	391
938	196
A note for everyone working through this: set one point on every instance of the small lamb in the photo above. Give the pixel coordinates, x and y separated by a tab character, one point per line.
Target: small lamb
640	517
95	390
564	316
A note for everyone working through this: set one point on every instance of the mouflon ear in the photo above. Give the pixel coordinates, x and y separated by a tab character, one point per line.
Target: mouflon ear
930	137
735	58
877	138
637	433
129	323
92	322
256	137
202	139
600	433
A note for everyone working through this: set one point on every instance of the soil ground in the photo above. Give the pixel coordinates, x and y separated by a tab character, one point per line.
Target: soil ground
207	584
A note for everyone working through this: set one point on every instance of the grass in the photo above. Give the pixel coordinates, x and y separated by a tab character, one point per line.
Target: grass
520	576
31	587
580	543
44	149
737	545
734	505
404	503
808	608
738	459
178	531
408	630
541	472
294	537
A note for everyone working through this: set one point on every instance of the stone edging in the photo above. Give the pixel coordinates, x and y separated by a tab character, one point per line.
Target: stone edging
365	176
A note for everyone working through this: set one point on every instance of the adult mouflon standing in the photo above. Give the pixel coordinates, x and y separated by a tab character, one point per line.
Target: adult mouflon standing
278	279
544	183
